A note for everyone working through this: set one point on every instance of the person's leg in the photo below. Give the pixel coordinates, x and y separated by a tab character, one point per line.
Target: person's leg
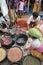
22	13
19	13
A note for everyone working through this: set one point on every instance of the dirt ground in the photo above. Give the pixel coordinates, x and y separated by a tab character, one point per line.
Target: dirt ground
28	60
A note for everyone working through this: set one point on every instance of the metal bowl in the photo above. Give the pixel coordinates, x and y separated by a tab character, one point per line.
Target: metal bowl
8	42
21	39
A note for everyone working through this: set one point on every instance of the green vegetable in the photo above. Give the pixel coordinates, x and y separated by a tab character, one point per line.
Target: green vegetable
35	33
41	39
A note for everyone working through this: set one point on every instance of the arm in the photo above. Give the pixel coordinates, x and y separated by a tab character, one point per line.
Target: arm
28	22
29	48
6	24
17	6
39	21
28	26
1	29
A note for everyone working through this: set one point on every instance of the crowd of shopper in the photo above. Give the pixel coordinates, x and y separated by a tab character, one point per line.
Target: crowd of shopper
16	9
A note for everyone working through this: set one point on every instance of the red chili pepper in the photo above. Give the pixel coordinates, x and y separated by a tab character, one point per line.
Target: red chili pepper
6	42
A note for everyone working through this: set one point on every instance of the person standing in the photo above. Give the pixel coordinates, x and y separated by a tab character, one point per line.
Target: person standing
21	7
13	7
4	10
36	6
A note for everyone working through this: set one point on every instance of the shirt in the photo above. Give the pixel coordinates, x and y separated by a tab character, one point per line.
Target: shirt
35	9
14	4
21	6
31	19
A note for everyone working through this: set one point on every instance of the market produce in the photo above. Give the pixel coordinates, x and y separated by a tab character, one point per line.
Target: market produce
41	39
14	64
36	54
22	22
29	60
2	54
36	43
37	27
34	33
14	54
21	40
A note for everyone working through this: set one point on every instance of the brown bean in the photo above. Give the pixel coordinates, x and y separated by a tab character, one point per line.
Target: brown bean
14	54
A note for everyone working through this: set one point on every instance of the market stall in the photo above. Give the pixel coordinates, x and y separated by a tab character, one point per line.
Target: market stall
13	43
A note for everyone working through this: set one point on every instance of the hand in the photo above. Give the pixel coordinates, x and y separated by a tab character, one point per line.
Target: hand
25	49
7	26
